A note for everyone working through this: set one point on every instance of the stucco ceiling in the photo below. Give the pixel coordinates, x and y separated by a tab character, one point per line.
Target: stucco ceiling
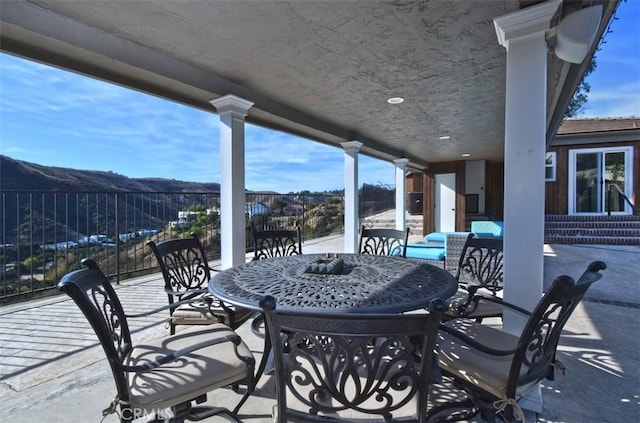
320	69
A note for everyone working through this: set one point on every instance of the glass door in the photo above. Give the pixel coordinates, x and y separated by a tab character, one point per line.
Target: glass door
598	177
588	183
614	182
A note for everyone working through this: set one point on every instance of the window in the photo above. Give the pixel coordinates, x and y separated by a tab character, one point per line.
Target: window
550	167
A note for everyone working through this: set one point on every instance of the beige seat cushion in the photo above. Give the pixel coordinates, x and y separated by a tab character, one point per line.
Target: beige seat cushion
487	371
196	313
189	376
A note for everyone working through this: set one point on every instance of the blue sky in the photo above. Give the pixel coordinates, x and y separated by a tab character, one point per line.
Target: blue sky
57	118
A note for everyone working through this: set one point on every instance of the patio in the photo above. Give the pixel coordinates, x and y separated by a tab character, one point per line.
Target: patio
47	376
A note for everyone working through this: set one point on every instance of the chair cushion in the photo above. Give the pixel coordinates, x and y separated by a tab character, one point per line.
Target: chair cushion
189	376
397	250
486	371
196	313
487	228
425	251
436	236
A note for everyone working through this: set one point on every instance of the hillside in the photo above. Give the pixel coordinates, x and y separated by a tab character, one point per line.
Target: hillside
25	176
52	215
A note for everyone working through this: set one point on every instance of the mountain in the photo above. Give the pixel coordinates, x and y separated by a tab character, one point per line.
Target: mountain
25	176
69	204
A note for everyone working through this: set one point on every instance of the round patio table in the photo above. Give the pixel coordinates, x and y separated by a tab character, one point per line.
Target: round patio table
364	284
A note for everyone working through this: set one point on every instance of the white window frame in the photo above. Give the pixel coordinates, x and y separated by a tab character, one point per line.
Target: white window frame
628	185
552	166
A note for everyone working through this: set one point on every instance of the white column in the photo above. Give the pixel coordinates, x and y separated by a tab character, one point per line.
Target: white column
351	149
401	193
522	33
232	111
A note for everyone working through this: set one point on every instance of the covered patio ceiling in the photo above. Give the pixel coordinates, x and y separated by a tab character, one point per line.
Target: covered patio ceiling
319	69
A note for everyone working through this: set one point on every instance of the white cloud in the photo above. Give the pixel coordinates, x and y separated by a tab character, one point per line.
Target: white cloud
621	100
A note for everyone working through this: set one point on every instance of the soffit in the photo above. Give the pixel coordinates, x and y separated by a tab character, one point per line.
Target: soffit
320	69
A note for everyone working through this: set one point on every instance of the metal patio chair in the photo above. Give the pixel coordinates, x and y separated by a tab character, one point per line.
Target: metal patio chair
186	275
270	243
170	373
350	367
383	241
496	368
479	274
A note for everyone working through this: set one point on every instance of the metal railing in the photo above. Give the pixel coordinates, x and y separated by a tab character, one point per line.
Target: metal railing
45	234
621	199
376	199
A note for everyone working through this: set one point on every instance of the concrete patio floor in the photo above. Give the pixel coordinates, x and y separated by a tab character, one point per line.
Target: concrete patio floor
52	368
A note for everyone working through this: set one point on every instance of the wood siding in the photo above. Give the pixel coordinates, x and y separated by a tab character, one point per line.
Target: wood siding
557	192
414	182
494	191
429	194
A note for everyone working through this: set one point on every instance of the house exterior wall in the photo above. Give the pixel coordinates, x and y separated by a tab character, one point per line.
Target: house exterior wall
414	182
574	134
494	191
557	192
428	189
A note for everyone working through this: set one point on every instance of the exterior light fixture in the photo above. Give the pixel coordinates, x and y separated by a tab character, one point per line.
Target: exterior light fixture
576	33
466	155
444	137
395	100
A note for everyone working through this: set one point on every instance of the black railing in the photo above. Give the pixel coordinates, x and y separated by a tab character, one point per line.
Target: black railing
45	234
376	199
618	199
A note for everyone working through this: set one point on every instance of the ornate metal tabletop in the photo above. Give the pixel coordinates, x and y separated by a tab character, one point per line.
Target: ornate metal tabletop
366	283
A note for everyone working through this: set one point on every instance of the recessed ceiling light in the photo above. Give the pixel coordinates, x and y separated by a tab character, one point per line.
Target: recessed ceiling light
444	137
466	155
395	100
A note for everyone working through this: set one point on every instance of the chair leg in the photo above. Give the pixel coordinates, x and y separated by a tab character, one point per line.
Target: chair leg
244	399
266	353
187	412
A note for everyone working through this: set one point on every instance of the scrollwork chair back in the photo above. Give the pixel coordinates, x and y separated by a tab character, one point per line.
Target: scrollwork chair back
276	243
383	241
186	275
480	269
351	366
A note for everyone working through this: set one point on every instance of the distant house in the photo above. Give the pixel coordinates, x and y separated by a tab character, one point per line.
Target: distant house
256	208
591	165
293	209
127	237
102	240
147	232
178	224
184	218
189	216
94	239
587	159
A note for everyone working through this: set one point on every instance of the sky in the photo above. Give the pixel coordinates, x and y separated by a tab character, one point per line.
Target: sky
57	118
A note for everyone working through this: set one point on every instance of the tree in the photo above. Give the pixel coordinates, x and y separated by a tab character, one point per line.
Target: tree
580	98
